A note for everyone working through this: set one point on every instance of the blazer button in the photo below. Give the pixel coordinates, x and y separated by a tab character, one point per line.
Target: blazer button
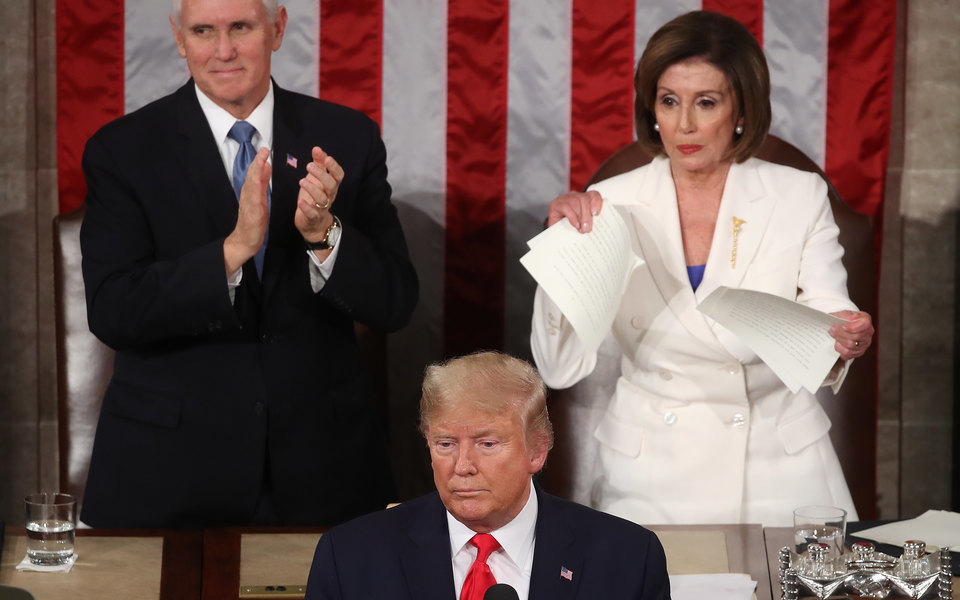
553	331
258	408
669	418
732	368
738	421
666	375
636	323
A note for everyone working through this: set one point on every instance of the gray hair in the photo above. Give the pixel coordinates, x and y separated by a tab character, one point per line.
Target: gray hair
269	5
492	381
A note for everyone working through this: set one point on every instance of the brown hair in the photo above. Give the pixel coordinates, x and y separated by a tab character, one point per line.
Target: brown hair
495	382
727	45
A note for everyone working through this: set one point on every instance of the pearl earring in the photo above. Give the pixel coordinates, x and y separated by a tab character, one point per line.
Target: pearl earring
738	129
656	126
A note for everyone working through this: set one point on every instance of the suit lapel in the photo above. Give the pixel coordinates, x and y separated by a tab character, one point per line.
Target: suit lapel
426	560
203	166
201	162
656	224
746	206
555	552
290	156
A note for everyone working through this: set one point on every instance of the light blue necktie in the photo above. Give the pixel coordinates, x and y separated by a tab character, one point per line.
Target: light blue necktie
242	132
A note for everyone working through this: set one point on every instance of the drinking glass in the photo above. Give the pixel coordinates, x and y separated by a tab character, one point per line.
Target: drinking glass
51	525
823	524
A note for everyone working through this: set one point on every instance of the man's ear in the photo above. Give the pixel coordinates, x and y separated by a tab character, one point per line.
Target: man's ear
178	38
538	456
279	26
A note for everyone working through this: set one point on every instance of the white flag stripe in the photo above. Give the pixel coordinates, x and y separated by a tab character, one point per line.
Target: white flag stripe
152	67
296	65
538	148
795	43
649	15
414	106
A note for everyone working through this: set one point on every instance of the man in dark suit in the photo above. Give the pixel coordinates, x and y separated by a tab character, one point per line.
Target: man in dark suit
234	232
485	420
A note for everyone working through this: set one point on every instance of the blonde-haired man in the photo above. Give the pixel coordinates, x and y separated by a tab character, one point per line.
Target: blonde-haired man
484	417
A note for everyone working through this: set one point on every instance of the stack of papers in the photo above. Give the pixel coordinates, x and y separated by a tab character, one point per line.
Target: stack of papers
940	528
721	586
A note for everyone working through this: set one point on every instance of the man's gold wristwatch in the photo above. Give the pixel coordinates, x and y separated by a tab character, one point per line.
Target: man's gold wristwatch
329	240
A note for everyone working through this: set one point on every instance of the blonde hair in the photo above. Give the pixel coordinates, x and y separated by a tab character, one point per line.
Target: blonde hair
492	381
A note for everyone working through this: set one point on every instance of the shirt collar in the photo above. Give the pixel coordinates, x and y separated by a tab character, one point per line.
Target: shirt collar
516	537
221	121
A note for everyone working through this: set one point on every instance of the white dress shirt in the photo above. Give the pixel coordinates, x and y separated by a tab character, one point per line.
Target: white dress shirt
512	563
261	118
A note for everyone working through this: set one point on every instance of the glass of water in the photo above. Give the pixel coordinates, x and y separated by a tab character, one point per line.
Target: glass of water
51	526
819	524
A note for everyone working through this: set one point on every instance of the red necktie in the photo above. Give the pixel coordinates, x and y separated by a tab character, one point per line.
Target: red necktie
479	578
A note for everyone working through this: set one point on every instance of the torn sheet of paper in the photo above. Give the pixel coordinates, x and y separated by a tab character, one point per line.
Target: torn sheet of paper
792	339
585	274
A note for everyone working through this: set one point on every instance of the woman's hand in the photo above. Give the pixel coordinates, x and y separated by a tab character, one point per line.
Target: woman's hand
577	207
854	336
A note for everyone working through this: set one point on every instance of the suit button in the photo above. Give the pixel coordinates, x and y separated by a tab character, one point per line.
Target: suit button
552	331
732	368
669	418
258	408
738	421
666	375
636	323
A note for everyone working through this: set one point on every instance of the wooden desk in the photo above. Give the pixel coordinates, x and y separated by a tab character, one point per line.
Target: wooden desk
213	565
117	564
256	556
693	549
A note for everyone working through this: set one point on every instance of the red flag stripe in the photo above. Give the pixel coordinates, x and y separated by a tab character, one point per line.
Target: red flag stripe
601	103
477	50
748	12
859	99
351	54
89	84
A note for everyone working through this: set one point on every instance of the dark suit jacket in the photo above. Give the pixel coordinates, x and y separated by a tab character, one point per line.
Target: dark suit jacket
404	553
206	393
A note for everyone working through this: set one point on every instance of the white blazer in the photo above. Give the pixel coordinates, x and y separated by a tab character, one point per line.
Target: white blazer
699	429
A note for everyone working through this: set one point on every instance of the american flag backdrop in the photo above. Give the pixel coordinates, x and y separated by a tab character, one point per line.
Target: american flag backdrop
489	109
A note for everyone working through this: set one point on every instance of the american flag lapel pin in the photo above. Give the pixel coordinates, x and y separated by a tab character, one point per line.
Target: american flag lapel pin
292	161
566	573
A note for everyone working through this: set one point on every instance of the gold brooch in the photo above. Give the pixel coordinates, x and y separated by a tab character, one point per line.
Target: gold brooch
736	232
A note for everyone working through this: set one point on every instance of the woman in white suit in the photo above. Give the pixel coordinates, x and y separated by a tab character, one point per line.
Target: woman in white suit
699	429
